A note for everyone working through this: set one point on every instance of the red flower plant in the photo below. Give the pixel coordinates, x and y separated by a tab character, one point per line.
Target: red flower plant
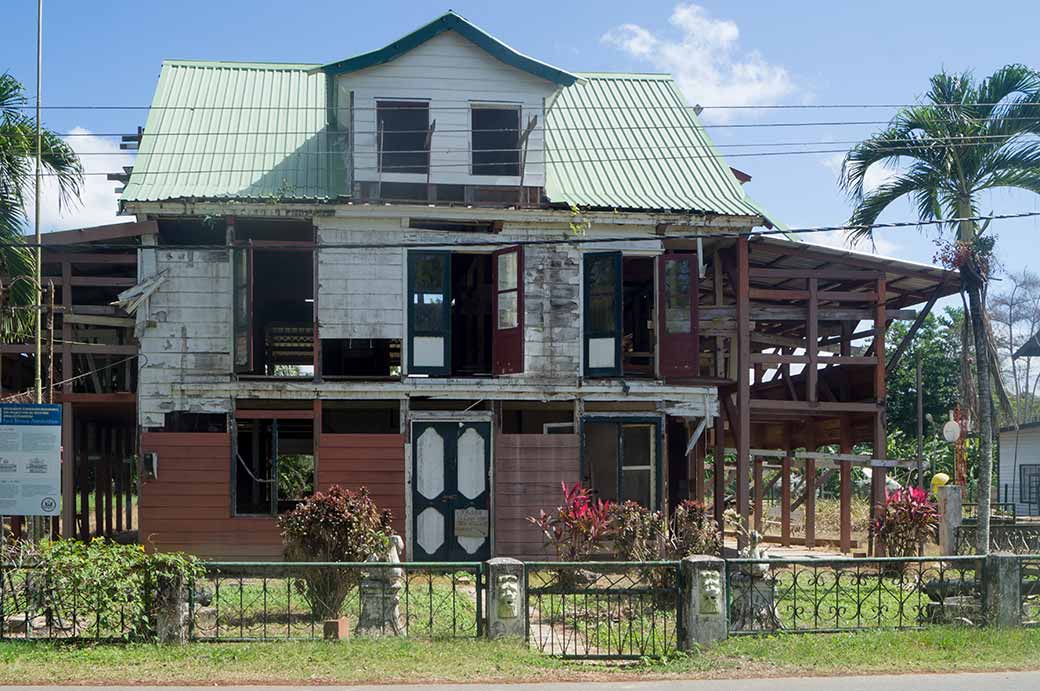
577	528
908	519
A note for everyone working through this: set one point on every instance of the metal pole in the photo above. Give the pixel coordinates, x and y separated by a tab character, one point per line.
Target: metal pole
920	428
36	525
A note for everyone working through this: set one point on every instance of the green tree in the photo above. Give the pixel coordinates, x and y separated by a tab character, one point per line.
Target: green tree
17	181
965	138
937	345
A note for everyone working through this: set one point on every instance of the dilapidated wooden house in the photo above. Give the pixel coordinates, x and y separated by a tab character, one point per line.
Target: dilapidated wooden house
458	276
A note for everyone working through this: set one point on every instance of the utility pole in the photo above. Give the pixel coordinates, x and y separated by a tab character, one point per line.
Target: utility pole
38	523
920	427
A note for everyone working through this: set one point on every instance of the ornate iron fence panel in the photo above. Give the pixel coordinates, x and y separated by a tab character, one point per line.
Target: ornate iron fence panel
243	601
38	602
826	595
1000	512
604	610
1017	539
1030	569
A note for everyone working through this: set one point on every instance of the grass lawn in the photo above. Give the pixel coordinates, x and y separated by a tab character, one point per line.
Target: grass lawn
387	660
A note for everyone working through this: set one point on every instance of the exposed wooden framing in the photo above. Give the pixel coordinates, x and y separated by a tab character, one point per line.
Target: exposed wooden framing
877	475
831	274
845	486
743	431
785	489
98	233
68	471
719	474
812	336
98	320
117	461
88	258
798	313
279	414
823	408
809	496
760	495
97	281
80	451
75	348
912	331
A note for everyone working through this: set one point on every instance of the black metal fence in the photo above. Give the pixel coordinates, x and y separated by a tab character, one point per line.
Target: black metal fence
38	602
1000	512
1017	539
244	601
614	610
826	595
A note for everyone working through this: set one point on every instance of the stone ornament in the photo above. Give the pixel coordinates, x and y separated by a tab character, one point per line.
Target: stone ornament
710	592
380	594
508	596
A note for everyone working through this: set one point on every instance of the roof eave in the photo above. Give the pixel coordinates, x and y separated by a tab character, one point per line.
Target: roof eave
456	23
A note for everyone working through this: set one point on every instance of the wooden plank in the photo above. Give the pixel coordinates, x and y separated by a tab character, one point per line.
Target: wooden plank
68	472
831	274
845	485
759	494
809	496
912	331
96	281
778	359
698	468
846	295
759	312
120	492
76	349
98	320
89	258
820	408
777	294
743	426
812	330
785	501
719	474
98	233
82	439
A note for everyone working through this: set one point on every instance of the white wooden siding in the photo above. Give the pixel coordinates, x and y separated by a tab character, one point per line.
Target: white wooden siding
1016	450
187	338
451	73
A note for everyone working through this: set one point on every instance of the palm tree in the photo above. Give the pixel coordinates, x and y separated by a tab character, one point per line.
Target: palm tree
17	180
966	137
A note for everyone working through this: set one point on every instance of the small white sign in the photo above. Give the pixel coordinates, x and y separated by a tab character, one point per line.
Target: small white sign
30	459
471	522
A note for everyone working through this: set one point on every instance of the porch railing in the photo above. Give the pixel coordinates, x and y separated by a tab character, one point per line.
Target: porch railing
846	594
614	610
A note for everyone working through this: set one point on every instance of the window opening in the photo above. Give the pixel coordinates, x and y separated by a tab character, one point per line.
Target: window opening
637	310
620	461
471	314
273	467
496	140
402	127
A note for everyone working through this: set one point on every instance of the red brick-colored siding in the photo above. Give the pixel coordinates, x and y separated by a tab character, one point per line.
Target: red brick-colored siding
374	461
528	471
188	508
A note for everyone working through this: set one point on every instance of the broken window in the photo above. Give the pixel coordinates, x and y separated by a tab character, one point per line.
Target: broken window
361	417
360	357
496	140
402	128
602	313
620	461
272	468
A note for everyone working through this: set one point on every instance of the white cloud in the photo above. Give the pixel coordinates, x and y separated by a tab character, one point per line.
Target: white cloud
877	174
706	60
98	201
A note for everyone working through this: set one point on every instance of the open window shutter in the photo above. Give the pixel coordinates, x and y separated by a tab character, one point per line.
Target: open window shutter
677	316
602	314
507	350
243	309
429	313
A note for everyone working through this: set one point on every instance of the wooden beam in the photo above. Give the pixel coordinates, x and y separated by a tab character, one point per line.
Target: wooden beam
845	485
812	335
877	475
68	465
798	313
89	258
76	349
96	281
97	233
911	332
743	431
822	408
97	320
760	494
785	488
829	274
719	474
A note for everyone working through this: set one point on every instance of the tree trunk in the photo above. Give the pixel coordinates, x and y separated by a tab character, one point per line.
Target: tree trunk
972	283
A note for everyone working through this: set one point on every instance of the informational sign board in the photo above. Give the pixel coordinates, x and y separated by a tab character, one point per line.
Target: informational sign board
471	522
30	459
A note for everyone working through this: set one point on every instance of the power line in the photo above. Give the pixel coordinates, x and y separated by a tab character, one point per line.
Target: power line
573	240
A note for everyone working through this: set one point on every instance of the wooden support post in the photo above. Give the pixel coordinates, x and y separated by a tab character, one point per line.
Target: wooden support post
68	471
880	438
785	489
719	474
94	450
813	342
106	479
117	460
810	489
131	491
759	493
698	467
66	328
82	477
845	491
743	422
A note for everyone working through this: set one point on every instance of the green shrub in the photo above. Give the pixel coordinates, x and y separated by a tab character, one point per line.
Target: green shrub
97	588
338	525
695	531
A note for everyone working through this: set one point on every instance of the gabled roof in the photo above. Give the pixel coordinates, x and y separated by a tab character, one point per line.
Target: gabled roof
452	22
1031	348
630	141
235	130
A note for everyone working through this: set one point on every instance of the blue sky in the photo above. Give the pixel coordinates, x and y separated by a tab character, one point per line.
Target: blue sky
749	53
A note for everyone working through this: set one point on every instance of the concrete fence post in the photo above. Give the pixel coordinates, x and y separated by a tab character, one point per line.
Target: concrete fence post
951	513
704	601
171	611
1002	589
507	598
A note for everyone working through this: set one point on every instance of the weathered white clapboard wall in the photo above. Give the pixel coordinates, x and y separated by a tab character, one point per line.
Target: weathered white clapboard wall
188	336
1018	448
451	73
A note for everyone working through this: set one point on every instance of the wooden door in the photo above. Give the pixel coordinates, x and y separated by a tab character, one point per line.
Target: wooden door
429	313
507	349
451	491
678	356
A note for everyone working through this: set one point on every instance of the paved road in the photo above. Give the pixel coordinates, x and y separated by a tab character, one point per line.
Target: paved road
1003	681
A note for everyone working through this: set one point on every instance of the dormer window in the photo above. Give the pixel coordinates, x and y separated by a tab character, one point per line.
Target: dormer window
496	137
402	129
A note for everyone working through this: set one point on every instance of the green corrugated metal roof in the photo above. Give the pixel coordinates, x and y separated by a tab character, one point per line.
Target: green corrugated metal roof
451	21
226	130
630	141
242	130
